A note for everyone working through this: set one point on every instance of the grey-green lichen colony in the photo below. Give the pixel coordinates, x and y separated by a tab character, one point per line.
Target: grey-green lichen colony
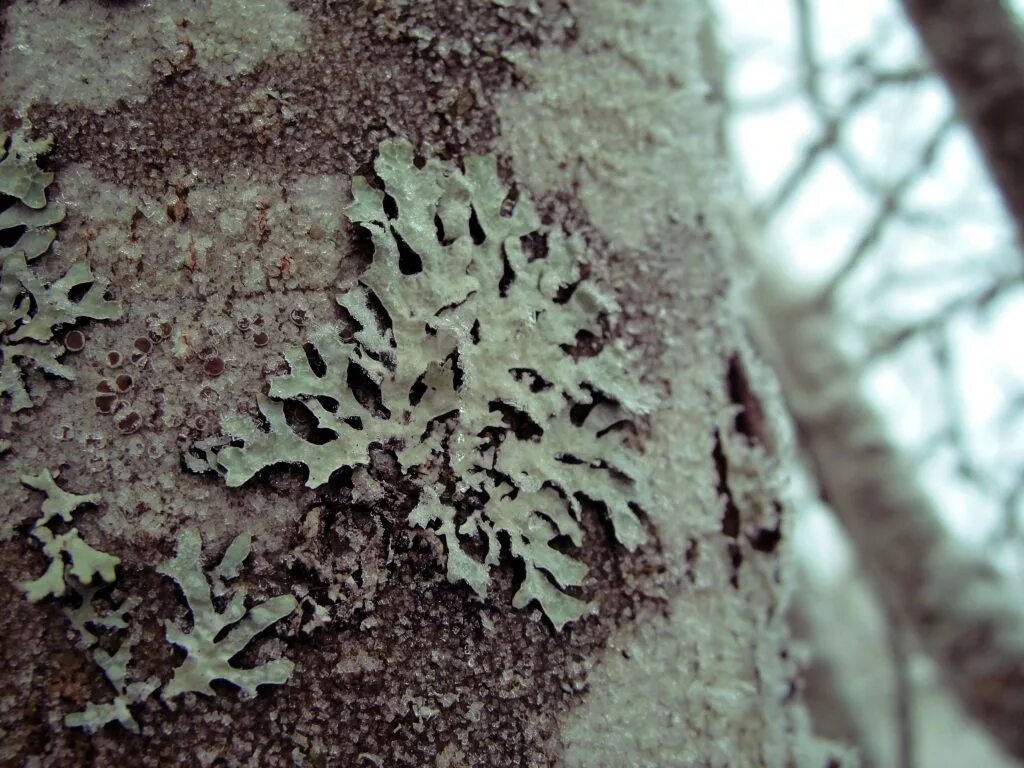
114	666
462	356
79	571
466	335
85	573
68	553
30	310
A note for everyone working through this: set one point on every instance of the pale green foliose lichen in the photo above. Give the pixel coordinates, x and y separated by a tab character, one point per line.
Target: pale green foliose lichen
209	654
474	336
96	715
68	553
31	310
84	564
20	175
115	667
85	616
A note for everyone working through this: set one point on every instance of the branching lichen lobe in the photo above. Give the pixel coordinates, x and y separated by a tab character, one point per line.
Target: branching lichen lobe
217	636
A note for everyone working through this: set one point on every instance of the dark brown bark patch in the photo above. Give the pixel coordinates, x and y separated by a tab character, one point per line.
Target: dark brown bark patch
410	666
750	417
426	71
731	513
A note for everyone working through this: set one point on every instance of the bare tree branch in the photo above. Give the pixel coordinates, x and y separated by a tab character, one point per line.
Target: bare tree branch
887	206
892	340
899	648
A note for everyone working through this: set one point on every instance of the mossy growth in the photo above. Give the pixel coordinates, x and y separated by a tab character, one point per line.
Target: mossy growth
466	362
31	310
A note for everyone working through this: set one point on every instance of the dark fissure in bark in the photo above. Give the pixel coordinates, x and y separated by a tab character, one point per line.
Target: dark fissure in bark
731	515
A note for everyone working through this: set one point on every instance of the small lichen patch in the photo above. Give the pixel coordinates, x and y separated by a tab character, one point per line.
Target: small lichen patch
209	654
115	666
84	618
68	553
462	363
31	310
21	177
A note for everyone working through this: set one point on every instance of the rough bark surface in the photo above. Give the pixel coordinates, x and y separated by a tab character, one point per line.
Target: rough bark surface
208	189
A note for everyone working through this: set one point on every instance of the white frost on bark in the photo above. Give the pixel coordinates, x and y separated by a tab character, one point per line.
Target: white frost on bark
622	119
92	54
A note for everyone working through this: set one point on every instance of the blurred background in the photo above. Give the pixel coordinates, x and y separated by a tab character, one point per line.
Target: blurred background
898	348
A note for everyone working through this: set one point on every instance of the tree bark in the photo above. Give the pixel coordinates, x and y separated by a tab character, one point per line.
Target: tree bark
207	157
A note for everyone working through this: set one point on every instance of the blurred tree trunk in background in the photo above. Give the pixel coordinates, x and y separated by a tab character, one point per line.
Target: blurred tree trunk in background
977	46
962	610
933	589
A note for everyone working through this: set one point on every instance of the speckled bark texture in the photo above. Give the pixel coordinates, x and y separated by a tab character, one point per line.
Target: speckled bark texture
206	182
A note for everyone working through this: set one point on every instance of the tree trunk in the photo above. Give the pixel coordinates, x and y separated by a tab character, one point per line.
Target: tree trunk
490	431
977	46
964	611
